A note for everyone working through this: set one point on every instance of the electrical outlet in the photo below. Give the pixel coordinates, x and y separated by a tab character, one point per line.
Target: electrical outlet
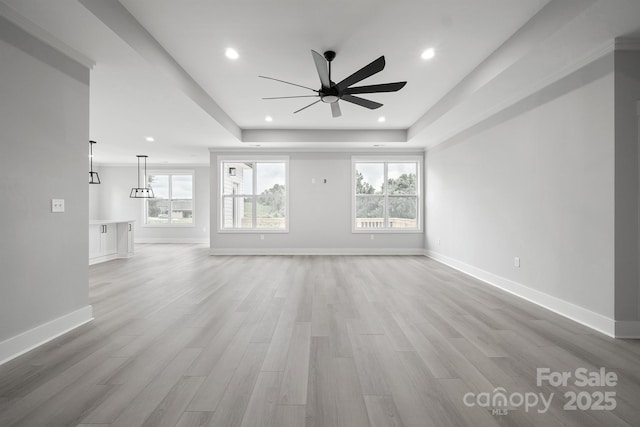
57	205
262	237
439	241
516	262
373	236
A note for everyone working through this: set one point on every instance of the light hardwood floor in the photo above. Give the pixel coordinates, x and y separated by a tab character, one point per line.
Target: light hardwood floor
181	338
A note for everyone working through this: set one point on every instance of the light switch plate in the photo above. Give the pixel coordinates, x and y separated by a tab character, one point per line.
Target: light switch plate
57	205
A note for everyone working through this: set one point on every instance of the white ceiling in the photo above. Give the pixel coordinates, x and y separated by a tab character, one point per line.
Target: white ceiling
160	70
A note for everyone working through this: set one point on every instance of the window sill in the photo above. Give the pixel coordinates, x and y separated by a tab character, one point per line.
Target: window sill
252	231
385	231
168	225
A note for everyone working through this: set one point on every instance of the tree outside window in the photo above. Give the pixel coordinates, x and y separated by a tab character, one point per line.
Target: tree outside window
173	201
386	195
254	195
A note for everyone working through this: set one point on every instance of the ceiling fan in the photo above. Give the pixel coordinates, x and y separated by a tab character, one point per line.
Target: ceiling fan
331	92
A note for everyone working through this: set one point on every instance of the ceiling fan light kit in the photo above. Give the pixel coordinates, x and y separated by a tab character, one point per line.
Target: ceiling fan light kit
331	93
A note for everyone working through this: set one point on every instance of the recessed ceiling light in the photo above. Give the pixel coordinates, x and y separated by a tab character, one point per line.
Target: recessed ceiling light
381	119
268	119
428	53
149	139
231	53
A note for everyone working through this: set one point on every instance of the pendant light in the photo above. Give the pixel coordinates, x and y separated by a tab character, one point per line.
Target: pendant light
93	176
142	192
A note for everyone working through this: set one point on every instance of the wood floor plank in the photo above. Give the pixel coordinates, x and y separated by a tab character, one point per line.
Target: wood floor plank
154	393
140	372
230	412
213	388
321	408
213	351
187	339
370	373
262	407
320	317
69	405
350	404
289	416
382	411
194	419
88	372
167	413
293	390
276	357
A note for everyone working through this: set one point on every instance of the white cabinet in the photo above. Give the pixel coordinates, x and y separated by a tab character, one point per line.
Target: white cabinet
95	241
125	239
109	240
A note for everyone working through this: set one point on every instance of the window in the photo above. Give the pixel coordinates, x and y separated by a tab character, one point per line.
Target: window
386	194
254	194
173	201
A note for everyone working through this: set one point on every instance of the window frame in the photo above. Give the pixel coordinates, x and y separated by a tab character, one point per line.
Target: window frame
220	196
418	160
170	173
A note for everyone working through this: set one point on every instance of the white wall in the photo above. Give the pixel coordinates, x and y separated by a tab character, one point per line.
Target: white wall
319	214
535	182
113	202
44	122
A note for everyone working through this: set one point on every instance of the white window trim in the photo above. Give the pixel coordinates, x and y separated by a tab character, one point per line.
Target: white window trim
219	192
420	197
193	198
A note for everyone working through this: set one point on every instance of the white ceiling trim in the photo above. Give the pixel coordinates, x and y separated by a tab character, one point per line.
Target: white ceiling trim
315	149
326	135
551	18
115	16
593	55
44	36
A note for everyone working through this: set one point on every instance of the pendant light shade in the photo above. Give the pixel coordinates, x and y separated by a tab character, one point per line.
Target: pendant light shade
93	176
141	192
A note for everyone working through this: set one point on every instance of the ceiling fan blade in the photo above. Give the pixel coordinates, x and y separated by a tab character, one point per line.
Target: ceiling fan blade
289	83
297	111
385	87
372	105
366	71
321	66
285	97
335	109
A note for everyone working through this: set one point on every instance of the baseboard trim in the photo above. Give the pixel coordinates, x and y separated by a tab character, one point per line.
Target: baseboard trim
35	337
172	240
104	258
564	308
316	251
